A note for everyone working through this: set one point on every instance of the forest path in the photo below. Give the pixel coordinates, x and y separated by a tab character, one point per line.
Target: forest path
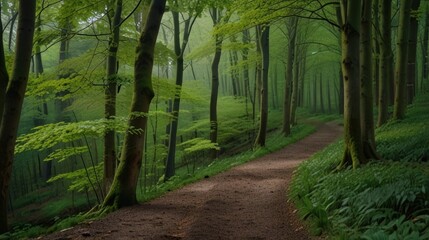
247	202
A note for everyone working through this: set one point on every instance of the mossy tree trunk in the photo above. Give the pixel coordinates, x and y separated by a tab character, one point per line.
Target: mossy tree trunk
265	49
350	30
110	94
400	106
13	100
386	60
123	190
366	100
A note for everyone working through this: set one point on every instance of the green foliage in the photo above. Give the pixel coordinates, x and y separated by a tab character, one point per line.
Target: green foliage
49	135
81	180
381	200
198	144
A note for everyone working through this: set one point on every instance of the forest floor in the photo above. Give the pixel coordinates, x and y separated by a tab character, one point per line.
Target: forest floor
247	202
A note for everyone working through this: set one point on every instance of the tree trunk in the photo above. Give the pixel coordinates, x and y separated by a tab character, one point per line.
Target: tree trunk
402	60
13	100
366	100
110	95
4	76
322	104
179	50
341	85
412	52
425	52
291	26
351	15
215	83
295	76
123	190
386	58
265	49
376	49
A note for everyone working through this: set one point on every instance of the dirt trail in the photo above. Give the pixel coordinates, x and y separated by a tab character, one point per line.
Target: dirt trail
247	202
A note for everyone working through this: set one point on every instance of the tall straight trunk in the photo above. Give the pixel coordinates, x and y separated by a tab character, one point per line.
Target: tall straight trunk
341	82
366	91
322	101
258	68
314	98
425	52
412	52
123	190
402	60
215	14
329	97
4	75
375	49
265	49
234	79
301	87
179	50
386	60
110	96
291	26
295	81
13	100
245	57
351	15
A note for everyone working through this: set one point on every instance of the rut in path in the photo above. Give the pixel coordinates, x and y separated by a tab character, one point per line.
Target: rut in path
246	202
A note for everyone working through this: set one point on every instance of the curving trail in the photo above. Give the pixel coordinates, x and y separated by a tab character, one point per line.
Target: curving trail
246	202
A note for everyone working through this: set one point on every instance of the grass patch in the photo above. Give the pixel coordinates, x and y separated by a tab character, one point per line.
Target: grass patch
382	200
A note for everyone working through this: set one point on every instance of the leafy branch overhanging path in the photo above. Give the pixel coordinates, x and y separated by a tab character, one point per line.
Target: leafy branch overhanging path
246	202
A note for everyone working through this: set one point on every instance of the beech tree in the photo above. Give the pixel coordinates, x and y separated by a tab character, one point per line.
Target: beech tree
110	92
123	190
179	50
386	60
13	97
291	27
366	96
350	42
265	49
402	60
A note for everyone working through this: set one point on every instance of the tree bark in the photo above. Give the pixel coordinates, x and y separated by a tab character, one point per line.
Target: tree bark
295	76
179	50
123	190
386	61
265	49
366	100
4	75
412	52
13	100
215	83
425	52
351	15
400	106
291	26
110	95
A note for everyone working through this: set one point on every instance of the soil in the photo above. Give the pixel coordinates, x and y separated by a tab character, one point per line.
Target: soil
247	202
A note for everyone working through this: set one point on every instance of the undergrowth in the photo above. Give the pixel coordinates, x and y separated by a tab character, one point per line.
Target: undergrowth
275	141
388	199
